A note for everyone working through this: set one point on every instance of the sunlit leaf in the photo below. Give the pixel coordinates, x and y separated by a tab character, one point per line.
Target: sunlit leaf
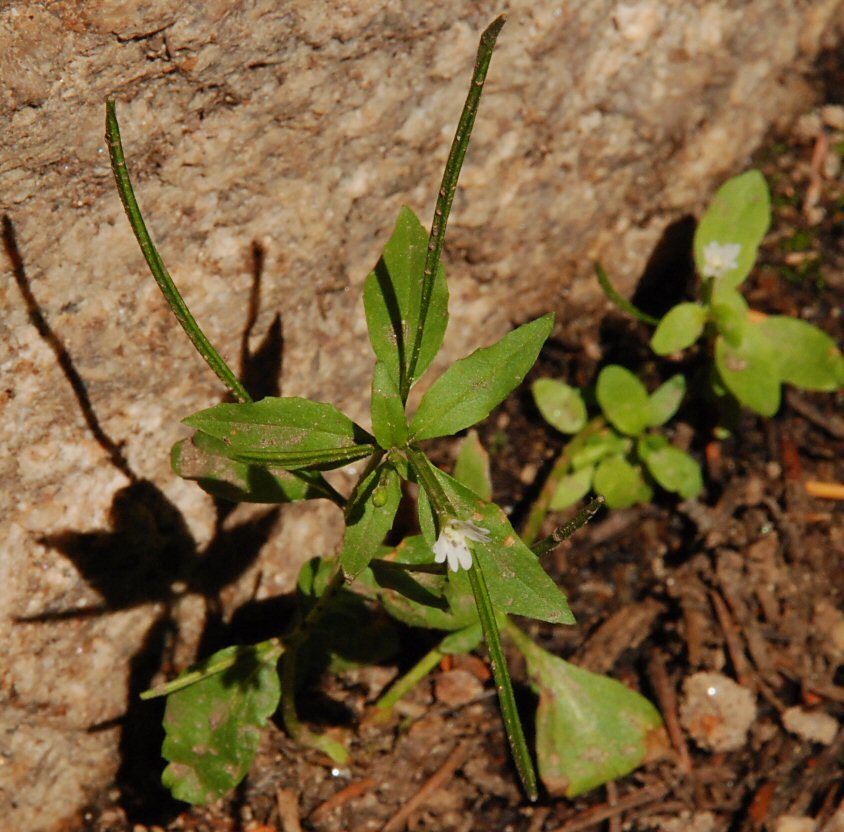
472	466
750	370
729	313
572	488
680	328
806	356
389	422
666	399
624	400
561	406
621	483
674	470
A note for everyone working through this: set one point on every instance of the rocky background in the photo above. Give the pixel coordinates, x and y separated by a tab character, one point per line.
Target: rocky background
279	140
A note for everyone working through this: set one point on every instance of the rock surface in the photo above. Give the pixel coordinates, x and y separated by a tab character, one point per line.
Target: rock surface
300	127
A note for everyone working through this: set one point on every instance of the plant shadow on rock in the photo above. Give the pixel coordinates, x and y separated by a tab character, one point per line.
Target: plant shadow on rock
148	556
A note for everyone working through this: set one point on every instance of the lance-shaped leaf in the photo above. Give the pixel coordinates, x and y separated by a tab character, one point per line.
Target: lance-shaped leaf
214	726
204	459
392	294
624	400
806	356
288	433
369	517
729	233
389	422
468	390
517	583
590	729
472	466
750	370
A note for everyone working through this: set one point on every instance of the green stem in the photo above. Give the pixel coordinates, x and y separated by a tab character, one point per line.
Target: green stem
428	480
564	532
447	190
509	712
539	510
402	686
621	302
156	264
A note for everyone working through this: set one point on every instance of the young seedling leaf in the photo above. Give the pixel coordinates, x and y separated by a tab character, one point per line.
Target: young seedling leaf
624	400
468	390
590	729
621	483
679	329
214	726
666	399
288	433
389	422
729	233
806	356
391	297
729	313
561	406
368	519
674	470
599	446
204	459
472	466
572	488
750	371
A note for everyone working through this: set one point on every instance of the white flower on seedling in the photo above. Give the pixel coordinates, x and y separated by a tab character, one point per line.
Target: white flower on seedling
720	258
452	545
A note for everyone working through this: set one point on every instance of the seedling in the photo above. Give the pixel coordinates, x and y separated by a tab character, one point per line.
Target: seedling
467	571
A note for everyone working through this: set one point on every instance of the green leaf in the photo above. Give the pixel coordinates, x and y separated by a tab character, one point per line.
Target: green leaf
392	294
729	313
738	216
590	729
598	446
806	356
674	470
214	726
572	488
621	483
750	371
468	390
389	422
517	583
288	433
463	641
472	466
560	405
624	400
368	519
666	399
202	458
680	328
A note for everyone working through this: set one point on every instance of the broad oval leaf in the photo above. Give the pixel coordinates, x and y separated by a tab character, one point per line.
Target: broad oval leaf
624	400
598	446
750	370
389	421
729	313
675	471
561	406
572	488
472	466
806	356
666	399
468	390
214	726
729	233
590	729
288	433
621	483
680	328
392	295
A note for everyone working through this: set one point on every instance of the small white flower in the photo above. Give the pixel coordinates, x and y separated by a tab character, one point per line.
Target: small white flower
451	545
720	258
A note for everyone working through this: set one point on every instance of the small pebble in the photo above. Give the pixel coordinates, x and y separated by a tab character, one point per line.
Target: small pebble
457	687
833	116
814	726
792	823
717	711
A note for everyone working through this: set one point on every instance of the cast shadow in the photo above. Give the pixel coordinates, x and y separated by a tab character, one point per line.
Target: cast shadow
149	556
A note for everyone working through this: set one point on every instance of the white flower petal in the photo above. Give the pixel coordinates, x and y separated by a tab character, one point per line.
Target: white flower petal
451	545
720	258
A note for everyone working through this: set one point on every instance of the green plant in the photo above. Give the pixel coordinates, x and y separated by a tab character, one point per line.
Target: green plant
752	354
620	453
467	571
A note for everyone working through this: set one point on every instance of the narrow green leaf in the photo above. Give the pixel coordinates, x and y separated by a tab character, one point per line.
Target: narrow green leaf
666	399
389	422
204	459
468	390
679	329
624	400
391	297
729	233
214	726
561	406
750	371
572	488
472	466
806	356
675	471
288	433
590	729
368	519
621	483
621	302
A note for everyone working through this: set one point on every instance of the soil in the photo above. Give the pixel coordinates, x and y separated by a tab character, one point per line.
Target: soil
747	582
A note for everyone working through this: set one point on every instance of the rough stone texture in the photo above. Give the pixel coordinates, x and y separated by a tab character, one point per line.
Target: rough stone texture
302	126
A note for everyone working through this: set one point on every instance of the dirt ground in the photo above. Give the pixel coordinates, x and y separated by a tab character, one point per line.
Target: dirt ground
747	582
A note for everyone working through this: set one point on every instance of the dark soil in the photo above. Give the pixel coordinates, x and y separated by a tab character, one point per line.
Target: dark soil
748	582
